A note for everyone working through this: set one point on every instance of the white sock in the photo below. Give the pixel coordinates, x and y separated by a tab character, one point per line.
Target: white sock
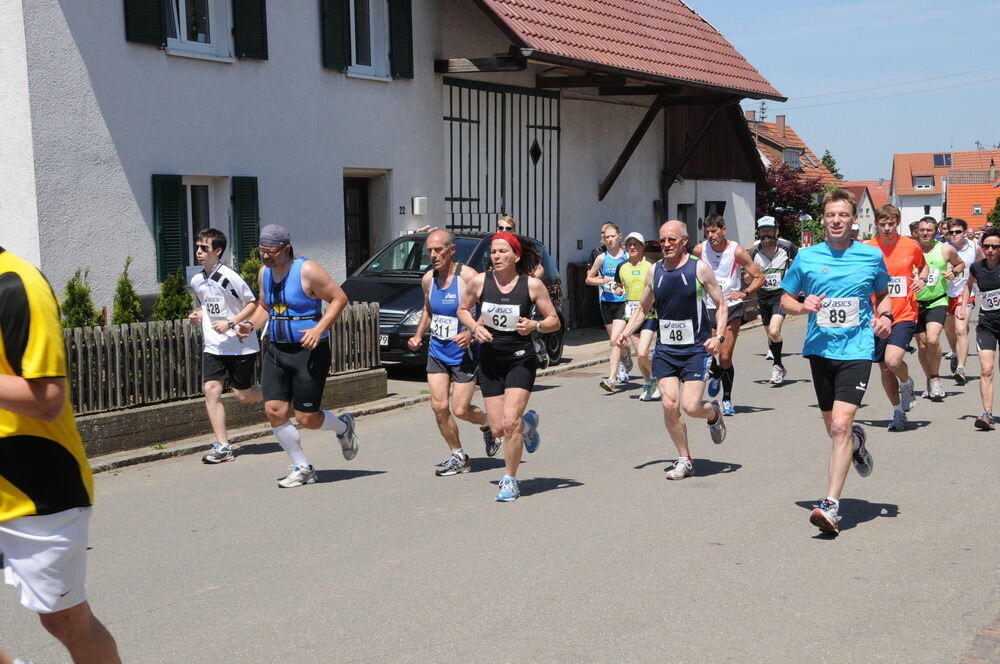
836	503
288	438
898	408
459	453
332	423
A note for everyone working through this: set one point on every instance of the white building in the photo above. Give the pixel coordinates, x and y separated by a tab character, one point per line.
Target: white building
126	126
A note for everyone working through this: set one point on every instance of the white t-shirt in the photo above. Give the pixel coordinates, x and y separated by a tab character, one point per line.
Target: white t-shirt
221	295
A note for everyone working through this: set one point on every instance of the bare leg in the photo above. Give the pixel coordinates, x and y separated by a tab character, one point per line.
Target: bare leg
839	424
642	346
614	328
87	640
670	398
461	403
249	395
216	412
440	385
515	400
986	359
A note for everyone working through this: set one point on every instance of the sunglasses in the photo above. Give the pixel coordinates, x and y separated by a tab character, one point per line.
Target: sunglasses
956	232
987	247
505	228
269	251
203	247
665	240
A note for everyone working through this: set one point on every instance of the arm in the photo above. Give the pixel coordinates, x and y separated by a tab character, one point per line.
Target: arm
957	265
195	316
316	282
711	285
752	270
465	338
258	315
469	300
962	311
223	326
882	323
646	302
594	276
924	270
414	342
543	303
39	398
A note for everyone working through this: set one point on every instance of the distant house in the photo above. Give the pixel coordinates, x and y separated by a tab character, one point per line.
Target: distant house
871	194
779	144
940	184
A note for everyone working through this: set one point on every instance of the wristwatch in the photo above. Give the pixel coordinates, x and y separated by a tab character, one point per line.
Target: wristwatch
721	338
887	314
538	327
231	324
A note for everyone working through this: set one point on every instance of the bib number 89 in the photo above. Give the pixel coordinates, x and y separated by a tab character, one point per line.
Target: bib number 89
838	316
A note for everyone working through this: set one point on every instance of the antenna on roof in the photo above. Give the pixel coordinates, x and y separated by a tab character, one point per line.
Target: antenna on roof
763	110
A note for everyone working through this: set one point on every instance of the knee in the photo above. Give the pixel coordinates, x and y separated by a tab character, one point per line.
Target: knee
671	408
309	420
440	408
244	396
512	426
692	407
68	625
839	428
277	414
461	410
213	389
986	372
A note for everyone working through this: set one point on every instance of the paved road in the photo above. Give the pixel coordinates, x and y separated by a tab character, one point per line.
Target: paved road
601	560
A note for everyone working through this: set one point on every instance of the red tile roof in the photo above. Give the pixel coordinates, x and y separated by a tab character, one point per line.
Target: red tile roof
963	197
662	38
905	167
772	143
878	192
975	160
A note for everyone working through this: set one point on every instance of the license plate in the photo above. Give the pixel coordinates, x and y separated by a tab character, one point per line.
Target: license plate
383	340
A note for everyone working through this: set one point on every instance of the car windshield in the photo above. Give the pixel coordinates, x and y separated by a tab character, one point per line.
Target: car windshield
408	256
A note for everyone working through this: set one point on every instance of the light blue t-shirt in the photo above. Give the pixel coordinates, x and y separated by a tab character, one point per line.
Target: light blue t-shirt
849	278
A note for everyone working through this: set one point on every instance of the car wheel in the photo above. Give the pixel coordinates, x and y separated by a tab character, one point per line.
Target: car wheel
554	346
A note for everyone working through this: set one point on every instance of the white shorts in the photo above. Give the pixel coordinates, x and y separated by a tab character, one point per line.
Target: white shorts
45	558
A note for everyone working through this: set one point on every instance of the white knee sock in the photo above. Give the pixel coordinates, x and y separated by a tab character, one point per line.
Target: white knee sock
332	423
288	438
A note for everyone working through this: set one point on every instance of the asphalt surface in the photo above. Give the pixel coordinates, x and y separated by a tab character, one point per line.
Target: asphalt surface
601	560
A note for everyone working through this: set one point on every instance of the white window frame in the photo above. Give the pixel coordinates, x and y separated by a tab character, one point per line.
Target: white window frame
923	182
219	215
792	157
378	24
220	25
977	210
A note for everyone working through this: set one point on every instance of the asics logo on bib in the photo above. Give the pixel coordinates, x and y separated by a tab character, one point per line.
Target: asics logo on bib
519	353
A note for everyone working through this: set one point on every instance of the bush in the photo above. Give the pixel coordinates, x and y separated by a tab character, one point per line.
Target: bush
127	308
250	269
78	307
174	301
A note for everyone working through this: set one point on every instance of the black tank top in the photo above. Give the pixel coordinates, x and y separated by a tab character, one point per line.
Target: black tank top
499	312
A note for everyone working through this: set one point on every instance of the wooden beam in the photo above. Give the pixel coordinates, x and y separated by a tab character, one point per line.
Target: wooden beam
473	65
629	148
631	90
700	100
585	81
671	173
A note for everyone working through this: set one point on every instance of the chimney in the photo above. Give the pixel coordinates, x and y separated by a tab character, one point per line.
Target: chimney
779	120
881	182
993	171
751	116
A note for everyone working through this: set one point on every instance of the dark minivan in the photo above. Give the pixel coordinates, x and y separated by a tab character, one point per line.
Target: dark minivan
392	278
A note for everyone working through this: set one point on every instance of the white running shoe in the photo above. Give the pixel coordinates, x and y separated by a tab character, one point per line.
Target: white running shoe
682	468
717	429
777	375
300	475
769	357
936	389
899	421
623	376
647	390
906	396
348	439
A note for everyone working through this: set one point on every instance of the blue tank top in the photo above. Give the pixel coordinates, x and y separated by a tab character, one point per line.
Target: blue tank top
292	311
609	268
444	320
683	319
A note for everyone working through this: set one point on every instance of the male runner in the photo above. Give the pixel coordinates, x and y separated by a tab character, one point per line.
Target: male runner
957	329
773	256
223	300
46	488
727	258
450	354
943	263
297	359
838	278
907	275
675	288
985	275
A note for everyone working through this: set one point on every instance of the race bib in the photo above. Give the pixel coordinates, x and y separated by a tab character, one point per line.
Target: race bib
215	307
932	277
608	287
897	286
630	308
502	317
839	312
676	332
772	280
443	327
726	284
989	300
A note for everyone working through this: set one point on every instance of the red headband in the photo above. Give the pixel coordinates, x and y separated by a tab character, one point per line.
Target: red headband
511	239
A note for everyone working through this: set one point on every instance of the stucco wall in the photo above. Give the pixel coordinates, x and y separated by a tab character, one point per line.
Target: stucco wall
740	198
18	212
911	208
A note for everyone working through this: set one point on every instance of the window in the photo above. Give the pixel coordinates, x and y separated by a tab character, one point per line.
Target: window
792	157
368	37
942	160
715	207
210	29
927	209
977	210
923	182
369	51
198	26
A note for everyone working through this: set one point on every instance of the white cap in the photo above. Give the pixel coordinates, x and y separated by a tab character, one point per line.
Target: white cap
635	236
766	221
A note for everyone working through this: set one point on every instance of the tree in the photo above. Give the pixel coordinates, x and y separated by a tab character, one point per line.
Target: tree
250	269
174	301
993	218
831	164
127	308
788	196
78	307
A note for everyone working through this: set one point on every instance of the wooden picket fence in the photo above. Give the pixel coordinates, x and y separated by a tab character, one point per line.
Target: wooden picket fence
125	366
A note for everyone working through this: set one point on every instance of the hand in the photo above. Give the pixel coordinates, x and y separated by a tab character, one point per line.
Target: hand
415	342
882	326
220	326
243	329
913	284
463	339
619	339
525	326
483	335
961	312
813	303
737	295
950	274
712	345
311	337
619	289
195	317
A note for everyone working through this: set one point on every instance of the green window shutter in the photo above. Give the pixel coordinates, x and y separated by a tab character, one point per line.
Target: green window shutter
250	29
400	39
144	22
335	27
169	224
246	218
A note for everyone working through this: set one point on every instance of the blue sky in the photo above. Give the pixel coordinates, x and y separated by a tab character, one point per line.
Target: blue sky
926	74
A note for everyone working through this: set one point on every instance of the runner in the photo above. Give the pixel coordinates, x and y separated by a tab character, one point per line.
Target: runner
46	488
631	276
943	264
504	298
907	272
450	355
297	358
674	289
223	299
957	329
838	278
727	258
612	302
985	275
773	256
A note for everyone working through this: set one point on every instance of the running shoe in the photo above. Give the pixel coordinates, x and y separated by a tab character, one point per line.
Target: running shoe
717	429
777	375
714	384
936	390
509	490
953	361
960	377
728	409
647	391
454	465
863	461
220	453
825	517
656	393
623	376
531	438
682	468
627	361
300	475
906	396
348	439
769	357
608	386
899	421
985	422
492	442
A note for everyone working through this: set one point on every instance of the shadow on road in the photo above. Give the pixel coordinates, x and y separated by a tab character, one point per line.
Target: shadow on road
479	465
702	467
787	381
258	448
884	424
340	474
543	484
853	512
751	409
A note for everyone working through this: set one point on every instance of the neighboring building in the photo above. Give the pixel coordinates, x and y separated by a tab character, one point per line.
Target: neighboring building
352	121
922	184
865	206
779	144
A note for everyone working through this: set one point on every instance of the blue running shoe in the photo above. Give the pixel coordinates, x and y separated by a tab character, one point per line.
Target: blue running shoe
531	438
713	386
509	490
727	408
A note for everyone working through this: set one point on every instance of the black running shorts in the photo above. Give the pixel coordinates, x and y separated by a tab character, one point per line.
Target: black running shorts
612	311
237	368
500	371
735	313
292	373
464	372
839	380
986	336
769	306
930	315
900	335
